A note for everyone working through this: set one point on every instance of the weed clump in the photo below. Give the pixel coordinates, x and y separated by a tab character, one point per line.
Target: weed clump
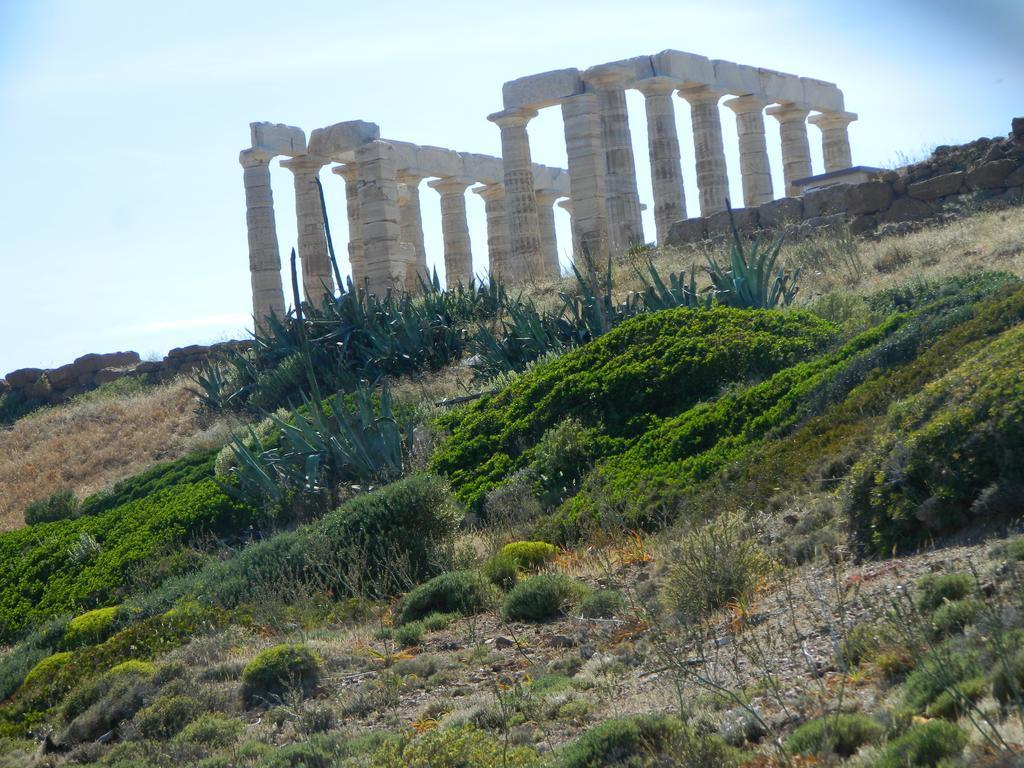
529	555
936	589
90	628
463	592
453	748
601	604
542	598
279	669
842	734
61	505
924	744
211	730
167	715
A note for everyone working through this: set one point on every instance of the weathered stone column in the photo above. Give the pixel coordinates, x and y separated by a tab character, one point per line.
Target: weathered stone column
317	277
663	146
754	165
548	240
356	258
712	176
796	151
585	151
566	205
264	254
378	217
497	230
520	205
624	223
835	138
410	220
458	256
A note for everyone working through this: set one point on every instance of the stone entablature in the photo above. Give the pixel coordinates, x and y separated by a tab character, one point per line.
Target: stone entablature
986	172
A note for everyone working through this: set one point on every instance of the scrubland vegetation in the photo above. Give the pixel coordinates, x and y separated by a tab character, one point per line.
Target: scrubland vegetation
642	529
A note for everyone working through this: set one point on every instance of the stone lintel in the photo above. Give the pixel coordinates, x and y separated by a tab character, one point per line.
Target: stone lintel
780	87
335	142
822	95
542	90
277	138
253	157
686	68
483	168
738	79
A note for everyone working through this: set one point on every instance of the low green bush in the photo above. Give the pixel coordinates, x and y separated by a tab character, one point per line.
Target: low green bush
98	706
601	604
842	734
860	644
463	592
542	598
167	715
951	618
715	565
19	660
92	690
646	740
924	744
437	621
502	571
953	703
46	668
279	669
560	459
935	589
408	634
942	671
1008	678
211	730
61	505
90	628
530	555
456	747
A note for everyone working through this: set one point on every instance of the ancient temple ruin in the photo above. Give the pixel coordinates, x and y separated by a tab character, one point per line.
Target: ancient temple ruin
599	187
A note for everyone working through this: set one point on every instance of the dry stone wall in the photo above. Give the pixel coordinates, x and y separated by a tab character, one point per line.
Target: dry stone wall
984	173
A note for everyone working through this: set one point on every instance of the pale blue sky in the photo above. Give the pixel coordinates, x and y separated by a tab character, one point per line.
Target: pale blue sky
122	219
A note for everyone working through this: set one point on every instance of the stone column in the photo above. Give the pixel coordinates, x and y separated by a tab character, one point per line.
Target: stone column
378	217
712	176
356	258
264	255
585	151
835	138
317	277
624	223
525	256
754	165
458	256
566	205
548	241
410	222
663	146
796	152
497	230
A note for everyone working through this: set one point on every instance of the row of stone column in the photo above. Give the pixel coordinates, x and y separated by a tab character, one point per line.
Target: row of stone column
602	168
386	247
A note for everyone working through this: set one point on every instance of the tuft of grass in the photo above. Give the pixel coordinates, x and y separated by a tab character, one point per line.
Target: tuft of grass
842	734
543	598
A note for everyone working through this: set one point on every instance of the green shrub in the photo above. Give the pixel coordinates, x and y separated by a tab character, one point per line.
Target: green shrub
455	747
558	462
1008	678
408	634
437	621
542	598
952	704
860	644
1015	548
46	668
278	669
529	555
186	470
90	628
842	734
502	571
464	592
46	571
940	672
211	730
650	366
646	741
936	589
167	715
601	604
98	706
716	565
19	661
951	618
94	689
925	744
398	533
61	505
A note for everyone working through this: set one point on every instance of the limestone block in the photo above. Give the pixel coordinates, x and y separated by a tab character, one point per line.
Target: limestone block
407	158
543	90
335	140
778	86
64	376
23	377
92	362
687	68
834	222
631	70
147	366
687	231
107	375
906	209
484	168
822	202
746	221
738	79
779	213
868	197
277	138
438	161
822	95
937	186
862	224
990	175
1016	178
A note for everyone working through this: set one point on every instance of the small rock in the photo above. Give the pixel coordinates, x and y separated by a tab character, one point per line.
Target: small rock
501	642
562	641
587	652
790	519
738	727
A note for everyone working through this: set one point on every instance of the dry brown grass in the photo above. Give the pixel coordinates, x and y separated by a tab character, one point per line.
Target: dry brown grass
88	445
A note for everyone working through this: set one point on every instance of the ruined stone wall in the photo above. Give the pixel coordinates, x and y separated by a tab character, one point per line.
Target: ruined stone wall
984	173
56	385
